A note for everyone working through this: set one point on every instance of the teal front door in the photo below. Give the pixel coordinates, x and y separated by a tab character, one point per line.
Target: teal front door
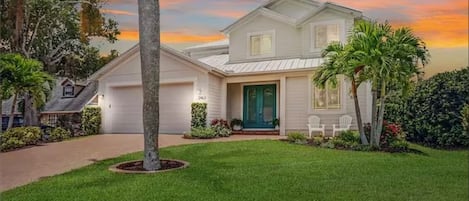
259	106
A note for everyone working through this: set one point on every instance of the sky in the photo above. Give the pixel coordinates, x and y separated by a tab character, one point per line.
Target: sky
442	24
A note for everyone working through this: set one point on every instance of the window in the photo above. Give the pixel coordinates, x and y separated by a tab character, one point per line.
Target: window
261	44
327	98
68	91
324	33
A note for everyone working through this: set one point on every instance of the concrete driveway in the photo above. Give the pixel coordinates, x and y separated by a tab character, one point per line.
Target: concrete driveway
23	166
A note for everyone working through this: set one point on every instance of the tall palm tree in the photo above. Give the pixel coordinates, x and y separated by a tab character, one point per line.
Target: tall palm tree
390	59
149	25
342	60
21	76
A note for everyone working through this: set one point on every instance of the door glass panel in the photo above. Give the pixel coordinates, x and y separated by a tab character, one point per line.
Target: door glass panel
268	105
251	105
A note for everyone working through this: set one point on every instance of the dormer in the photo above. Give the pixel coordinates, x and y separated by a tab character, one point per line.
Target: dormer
70	89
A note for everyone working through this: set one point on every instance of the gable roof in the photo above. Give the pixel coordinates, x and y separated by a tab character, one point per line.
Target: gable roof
136	50
58	104
266	11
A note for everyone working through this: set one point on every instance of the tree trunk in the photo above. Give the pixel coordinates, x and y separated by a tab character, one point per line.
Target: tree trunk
31	117
358	113
149	32
19	20
382	100
374	93
1	109
12	111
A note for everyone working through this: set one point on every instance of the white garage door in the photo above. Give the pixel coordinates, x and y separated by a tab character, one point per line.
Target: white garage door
175	108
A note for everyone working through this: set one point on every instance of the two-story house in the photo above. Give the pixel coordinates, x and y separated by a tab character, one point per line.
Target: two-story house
261	72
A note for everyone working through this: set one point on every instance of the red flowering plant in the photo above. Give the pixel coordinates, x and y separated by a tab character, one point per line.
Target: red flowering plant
392	132
221	127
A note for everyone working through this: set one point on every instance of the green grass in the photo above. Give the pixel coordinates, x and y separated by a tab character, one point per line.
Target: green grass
266	170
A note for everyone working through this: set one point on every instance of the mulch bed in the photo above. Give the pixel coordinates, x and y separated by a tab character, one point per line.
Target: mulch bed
138	165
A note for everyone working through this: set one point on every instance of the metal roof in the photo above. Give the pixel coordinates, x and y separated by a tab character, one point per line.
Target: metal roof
221	62
216	44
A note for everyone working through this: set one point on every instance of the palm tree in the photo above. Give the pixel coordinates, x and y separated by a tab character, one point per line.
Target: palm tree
149	25
22	76
390	59
341	60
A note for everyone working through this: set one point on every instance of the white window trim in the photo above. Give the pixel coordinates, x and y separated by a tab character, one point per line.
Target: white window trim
248	44
312	35
343	98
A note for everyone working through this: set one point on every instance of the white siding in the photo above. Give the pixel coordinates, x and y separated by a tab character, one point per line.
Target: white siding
296	103
214	98
234	98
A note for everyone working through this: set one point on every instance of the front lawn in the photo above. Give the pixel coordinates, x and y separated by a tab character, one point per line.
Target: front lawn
266	170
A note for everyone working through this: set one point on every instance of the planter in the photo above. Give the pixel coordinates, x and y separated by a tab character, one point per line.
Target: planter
277	127
237	127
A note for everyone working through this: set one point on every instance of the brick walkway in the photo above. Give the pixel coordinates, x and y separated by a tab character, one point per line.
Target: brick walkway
23	166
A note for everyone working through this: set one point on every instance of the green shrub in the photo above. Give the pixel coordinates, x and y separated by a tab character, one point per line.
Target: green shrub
91	120
203	133
221	127
399	146
329	144
432	115
199	115
317	141
59	134
21	136
465	118
342	144
297	137
349	136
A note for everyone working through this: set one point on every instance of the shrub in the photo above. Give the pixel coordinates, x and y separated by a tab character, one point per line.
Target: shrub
343	144
399	146
199	115
59	134
433	111
91	120
203	133
349	136
221	127
235	121
317	140
465	118
391	133
21	136
297	137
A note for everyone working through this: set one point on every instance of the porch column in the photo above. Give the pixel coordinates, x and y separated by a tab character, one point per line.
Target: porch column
283	87
224	94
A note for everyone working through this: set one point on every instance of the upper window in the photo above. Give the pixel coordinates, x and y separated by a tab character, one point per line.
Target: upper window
261	44
324	33
328	97
68	91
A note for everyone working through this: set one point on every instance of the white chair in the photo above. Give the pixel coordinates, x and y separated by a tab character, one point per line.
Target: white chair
314	125
345	122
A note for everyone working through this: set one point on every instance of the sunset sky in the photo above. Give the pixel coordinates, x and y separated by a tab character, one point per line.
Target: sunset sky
443	25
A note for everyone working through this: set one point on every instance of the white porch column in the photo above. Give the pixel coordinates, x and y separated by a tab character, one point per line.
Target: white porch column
224	94
283	98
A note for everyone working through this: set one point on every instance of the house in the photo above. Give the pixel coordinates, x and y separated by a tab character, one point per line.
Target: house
262	71
67	100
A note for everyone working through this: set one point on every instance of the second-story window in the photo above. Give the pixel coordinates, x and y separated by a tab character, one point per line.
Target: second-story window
323	33
68	91
261	44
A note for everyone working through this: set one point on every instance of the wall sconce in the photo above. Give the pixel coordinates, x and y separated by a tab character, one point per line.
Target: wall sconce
200	96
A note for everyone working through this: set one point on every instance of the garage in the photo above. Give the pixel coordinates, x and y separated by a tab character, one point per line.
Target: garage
175	108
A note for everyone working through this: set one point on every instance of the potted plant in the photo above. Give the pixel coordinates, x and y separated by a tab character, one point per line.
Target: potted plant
236	124
276	123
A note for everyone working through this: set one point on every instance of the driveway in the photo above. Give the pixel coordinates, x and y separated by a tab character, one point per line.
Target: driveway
23	166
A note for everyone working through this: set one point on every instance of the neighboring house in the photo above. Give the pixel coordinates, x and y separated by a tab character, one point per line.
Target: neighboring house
261	72
67	100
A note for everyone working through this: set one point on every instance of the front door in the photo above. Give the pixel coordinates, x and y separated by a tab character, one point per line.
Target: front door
259	106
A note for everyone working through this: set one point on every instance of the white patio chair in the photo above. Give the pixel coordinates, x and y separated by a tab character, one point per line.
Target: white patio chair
345	122
314	125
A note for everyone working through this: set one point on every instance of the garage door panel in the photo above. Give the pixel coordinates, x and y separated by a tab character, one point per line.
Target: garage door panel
175	101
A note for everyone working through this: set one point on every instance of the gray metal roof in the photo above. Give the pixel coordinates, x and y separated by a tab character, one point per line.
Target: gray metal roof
221	62
214	44
6	107
59	104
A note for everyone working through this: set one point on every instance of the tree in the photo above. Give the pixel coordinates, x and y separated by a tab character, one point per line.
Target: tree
390	59
342	60
149	33
21	75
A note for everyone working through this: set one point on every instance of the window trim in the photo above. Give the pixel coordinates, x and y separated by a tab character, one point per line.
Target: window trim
248	44
343	98
65	93
312	34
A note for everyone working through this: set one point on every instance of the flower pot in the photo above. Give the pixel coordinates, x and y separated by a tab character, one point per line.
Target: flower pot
237	127
277	127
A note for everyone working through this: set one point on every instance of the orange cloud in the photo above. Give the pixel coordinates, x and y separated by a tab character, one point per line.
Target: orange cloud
117	12
171	3
173	37
226	13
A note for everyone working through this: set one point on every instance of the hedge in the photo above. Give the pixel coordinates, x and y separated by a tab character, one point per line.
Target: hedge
199	115
91	120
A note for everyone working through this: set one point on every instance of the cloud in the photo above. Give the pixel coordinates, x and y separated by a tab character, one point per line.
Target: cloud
117	12
235	14
173	37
